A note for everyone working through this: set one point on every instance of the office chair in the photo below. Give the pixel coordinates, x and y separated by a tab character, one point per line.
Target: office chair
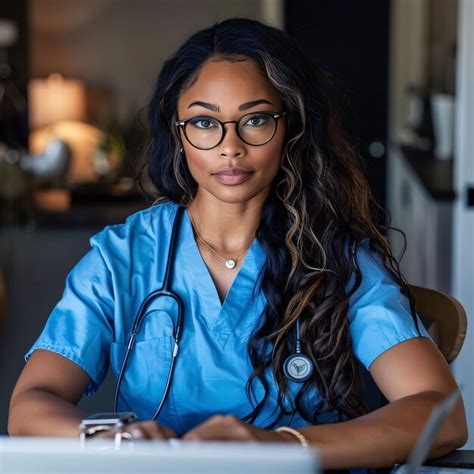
444	318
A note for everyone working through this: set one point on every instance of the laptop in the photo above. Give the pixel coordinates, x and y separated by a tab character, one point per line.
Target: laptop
60	455
420	452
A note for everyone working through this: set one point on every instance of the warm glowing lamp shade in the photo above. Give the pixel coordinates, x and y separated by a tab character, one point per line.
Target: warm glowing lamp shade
55	99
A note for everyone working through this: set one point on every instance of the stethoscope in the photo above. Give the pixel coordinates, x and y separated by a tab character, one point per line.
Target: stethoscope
298	367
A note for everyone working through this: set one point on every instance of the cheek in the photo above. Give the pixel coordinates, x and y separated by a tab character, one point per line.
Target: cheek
268	166
271	160
198	165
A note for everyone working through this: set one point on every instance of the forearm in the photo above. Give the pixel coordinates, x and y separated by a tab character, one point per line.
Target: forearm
383	437
40	413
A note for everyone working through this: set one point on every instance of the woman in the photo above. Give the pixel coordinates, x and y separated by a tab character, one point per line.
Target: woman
278	232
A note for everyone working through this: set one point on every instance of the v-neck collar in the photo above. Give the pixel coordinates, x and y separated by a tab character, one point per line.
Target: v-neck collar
220	316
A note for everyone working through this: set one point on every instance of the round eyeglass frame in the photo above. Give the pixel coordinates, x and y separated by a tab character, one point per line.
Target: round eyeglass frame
276	116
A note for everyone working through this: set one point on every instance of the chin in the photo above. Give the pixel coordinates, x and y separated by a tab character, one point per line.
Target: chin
236	199
231	195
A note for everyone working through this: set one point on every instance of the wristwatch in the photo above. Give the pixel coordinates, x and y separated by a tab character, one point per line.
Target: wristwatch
103	422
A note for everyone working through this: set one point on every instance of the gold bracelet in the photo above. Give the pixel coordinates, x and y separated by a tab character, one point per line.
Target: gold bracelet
301	438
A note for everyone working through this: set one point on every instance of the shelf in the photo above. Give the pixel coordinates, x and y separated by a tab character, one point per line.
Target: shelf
435	175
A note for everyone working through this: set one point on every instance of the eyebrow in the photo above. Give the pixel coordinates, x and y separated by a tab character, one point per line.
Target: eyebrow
215	108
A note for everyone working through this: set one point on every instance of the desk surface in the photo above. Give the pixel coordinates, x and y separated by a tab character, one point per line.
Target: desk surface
462	459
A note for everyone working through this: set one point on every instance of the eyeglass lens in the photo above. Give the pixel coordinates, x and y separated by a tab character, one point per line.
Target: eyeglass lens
254	129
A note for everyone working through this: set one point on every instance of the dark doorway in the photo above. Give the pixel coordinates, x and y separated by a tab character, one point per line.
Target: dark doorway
351	39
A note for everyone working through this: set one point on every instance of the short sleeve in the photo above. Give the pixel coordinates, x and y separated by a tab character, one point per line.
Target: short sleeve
379	314
80	327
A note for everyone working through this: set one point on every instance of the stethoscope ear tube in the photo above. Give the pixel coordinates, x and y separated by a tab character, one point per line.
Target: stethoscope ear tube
163	291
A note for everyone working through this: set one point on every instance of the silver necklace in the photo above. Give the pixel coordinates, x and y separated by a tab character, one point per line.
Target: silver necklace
230	263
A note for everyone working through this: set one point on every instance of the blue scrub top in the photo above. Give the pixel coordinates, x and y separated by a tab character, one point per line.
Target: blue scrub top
91	323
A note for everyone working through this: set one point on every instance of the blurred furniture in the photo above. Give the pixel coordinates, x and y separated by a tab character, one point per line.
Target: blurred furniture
58	109
55	99
422	200
444	318
83	140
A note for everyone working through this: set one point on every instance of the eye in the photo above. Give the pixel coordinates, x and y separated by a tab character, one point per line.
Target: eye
204	123
256	120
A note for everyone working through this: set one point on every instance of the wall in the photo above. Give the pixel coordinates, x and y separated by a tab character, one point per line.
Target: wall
408	56
463	261
122	43
407	65
443	30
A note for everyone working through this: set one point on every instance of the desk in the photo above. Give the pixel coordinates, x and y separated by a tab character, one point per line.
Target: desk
460	459
457	462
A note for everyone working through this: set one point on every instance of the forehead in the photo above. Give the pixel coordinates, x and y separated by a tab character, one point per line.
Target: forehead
229	84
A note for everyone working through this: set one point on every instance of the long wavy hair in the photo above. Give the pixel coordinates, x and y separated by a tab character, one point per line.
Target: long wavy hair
319	203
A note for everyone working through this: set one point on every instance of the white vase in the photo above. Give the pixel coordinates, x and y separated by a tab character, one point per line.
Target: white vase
442	112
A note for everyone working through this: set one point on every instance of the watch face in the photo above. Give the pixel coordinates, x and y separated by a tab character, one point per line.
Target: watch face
110	418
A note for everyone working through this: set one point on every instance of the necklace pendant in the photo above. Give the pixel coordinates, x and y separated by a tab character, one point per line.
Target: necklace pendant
230	263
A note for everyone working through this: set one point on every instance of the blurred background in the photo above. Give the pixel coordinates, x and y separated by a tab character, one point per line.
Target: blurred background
75	75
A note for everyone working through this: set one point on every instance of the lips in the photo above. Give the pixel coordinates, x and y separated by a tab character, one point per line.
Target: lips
232	172
233	176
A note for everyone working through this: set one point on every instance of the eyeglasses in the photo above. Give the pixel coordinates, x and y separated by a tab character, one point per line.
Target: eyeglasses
255	129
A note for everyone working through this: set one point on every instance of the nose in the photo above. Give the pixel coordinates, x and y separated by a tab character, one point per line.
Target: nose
231	144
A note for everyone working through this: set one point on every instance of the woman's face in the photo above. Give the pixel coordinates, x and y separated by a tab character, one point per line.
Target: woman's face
224	87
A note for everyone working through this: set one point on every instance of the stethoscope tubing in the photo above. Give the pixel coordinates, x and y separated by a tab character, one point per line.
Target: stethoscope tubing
177	328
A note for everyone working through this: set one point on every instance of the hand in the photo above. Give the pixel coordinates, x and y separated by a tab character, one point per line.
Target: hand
230	428
141	430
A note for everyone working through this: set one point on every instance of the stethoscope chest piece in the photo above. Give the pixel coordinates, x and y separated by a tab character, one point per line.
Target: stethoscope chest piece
298	367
